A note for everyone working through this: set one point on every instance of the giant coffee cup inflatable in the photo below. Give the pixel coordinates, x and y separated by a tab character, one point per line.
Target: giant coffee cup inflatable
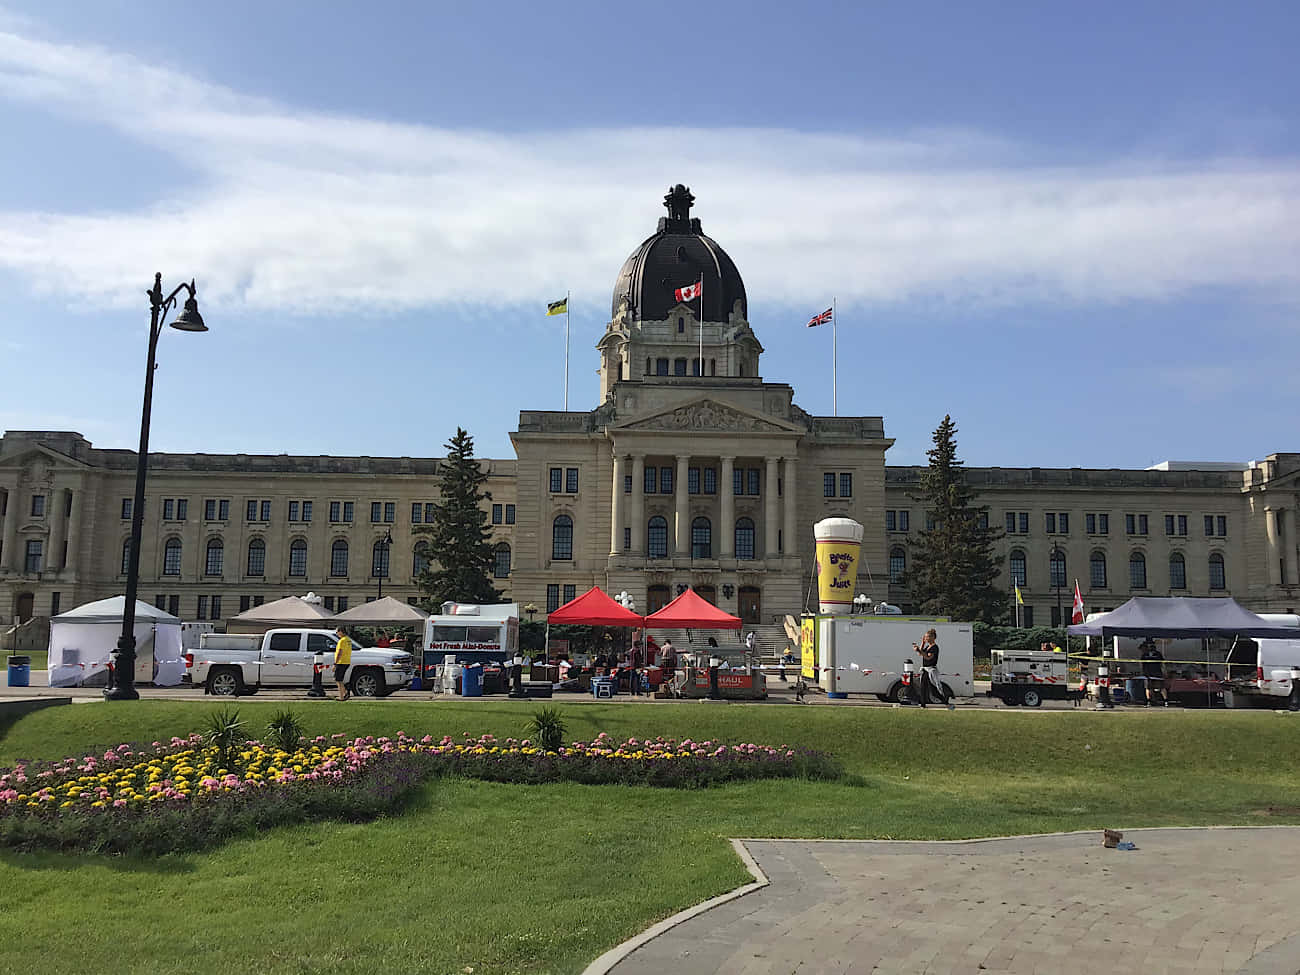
839	545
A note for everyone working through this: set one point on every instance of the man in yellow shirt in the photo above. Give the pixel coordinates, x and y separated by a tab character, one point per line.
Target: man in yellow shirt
342	658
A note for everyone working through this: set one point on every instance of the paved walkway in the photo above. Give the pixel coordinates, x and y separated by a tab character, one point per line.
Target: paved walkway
1185	901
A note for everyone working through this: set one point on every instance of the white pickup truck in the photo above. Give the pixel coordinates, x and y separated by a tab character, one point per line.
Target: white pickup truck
228	664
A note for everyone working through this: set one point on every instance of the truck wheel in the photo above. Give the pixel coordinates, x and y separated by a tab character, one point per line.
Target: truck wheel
1032	698
883	697
367	683
225	682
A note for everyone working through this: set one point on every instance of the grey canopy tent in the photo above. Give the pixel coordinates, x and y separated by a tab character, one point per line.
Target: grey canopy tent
383	612
1181	616
289	611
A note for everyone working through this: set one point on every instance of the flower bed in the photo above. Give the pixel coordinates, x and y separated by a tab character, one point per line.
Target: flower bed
178	796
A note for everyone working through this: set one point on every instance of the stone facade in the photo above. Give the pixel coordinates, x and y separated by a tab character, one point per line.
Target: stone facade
692	471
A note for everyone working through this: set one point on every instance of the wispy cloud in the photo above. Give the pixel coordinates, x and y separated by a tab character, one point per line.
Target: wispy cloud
299	211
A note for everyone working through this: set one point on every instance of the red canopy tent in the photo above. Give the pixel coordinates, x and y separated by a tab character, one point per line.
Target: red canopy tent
595	608
690	610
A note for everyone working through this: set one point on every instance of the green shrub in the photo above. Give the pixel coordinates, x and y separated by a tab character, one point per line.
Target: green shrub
226	732
547	728
284	731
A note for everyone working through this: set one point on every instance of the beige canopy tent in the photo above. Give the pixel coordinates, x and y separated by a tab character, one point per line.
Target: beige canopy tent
382	612
289	611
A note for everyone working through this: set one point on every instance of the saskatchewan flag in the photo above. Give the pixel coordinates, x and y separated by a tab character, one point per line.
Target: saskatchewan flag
1019	599
560	307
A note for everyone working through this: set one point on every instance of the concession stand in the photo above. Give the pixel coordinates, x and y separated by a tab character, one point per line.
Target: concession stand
715	676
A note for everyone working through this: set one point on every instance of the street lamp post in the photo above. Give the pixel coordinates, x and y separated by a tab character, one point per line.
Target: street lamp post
531	610
387	543
121	680
1058	580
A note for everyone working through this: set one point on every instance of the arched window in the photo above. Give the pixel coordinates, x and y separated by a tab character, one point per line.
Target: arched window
172	557
1177	571
298	558
339	558
681	323
744	538
256	557
1018	567
1056	569
701	538
1137	571
501	563
379	559
562	538
1097	569
1218	578
419	558
126	557
897	564
216	559
656	538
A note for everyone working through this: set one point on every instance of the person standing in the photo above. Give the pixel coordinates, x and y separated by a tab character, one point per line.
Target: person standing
928	648
1153	669
342	660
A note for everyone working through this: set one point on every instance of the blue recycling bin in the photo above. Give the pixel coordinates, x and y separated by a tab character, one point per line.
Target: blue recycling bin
471	682
20	671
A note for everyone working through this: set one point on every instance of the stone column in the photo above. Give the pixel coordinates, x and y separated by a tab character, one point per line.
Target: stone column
791	507
683	534
769	509
616	509
638	504
1274	547
58	529
1289	547
8	555
74	531
727	504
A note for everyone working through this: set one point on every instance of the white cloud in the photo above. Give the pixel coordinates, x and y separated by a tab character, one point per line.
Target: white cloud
297	211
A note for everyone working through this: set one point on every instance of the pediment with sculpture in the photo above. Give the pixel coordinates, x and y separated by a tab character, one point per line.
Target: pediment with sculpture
709	415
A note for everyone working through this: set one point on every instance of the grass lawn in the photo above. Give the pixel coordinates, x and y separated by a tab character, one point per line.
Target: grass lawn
515	879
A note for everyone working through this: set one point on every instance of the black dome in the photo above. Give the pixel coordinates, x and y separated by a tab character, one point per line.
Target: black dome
677	255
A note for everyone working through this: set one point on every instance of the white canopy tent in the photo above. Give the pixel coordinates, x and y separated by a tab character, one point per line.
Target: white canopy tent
82	639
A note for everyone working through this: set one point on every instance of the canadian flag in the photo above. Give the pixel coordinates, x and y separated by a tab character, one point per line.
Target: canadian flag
1076	615
691	291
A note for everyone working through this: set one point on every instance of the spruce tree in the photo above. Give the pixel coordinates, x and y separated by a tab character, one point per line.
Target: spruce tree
460	547
954	567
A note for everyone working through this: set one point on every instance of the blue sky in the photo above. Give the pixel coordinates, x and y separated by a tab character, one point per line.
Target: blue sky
1075	227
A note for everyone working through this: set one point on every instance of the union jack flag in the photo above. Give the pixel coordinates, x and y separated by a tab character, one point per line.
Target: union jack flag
821	319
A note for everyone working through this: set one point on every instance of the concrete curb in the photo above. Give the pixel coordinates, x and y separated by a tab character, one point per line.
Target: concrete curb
616	954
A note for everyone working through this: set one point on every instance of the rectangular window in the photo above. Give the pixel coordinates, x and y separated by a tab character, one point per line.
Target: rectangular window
498	514
571	480
250	511
169	509
1142	524
1011	522
557	479
651	480
552	597
429	509
174	605
661	367
1209	525
210	510
329	603
223	510
846	485
1063	522
627	483
1169	524
342	604
38	506
1050	519
710	480
246	603
692	480
417	509
665	480
627	539
1182	524
1056	616
891	521
376	512
293	510
126	509
390	512
182	508
828	485
983	521
1090	524
929	521
1027	616
266	510
679	367
1103	524
160	601
35	547
753	477
216	607
1130	524
904	520
336	512
738	482
570	593
349	508
306	511
1222	522
202	613
510	514
1024	522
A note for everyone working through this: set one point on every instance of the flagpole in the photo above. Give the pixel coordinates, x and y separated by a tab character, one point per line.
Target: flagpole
566	352
701	323
835	396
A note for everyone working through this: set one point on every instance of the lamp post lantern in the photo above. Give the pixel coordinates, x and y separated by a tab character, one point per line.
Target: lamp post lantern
531	610
382	567
121	678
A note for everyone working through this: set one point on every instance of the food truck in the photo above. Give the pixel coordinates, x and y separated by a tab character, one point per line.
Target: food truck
473	633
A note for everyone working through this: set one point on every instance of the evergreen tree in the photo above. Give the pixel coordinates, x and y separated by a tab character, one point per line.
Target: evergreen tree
460	547
954	567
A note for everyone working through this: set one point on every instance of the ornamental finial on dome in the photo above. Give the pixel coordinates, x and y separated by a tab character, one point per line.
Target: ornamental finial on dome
678	201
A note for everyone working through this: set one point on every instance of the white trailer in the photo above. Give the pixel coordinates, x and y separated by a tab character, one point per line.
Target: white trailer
864	654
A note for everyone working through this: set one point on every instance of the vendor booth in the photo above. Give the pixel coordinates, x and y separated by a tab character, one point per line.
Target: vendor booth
728	671
82	639
290	611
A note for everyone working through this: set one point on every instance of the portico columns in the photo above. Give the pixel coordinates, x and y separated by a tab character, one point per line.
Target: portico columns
769	509
727	502
682	548
638	504
74	530
791	546
1289	547
11	530
1274	554
58	529
616	509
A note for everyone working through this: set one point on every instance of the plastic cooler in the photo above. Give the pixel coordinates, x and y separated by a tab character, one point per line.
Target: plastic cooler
20	671
602	687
